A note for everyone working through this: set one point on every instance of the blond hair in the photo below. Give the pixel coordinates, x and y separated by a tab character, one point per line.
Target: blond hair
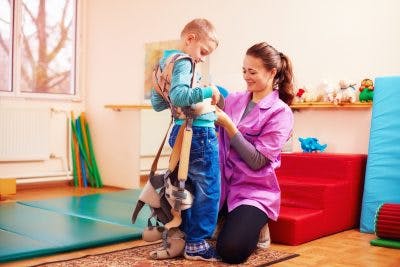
201	27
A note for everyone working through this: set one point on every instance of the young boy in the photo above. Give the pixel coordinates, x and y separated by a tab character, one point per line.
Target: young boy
198	40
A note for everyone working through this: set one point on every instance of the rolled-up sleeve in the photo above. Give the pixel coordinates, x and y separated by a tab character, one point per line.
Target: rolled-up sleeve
275	134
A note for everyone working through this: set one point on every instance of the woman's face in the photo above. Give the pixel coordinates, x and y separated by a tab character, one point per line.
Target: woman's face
257	77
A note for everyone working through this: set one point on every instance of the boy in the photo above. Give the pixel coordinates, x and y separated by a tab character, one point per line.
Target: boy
198	40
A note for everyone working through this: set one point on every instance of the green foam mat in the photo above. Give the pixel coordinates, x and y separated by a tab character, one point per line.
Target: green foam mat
37	228
388	243
115	207
14	246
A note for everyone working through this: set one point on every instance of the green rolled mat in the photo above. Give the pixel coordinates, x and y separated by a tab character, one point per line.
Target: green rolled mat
388	243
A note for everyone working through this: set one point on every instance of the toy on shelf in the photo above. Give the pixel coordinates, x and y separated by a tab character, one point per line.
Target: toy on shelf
366	90
299	96
305	95
311	144
346	94
327	90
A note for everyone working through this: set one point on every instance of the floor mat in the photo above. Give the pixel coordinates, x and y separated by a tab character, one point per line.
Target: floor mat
139	256
37	228
115	207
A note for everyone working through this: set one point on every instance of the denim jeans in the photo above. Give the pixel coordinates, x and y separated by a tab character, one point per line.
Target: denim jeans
198	222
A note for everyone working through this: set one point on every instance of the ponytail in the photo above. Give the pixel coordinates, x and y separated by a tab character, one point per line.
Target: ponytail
285	80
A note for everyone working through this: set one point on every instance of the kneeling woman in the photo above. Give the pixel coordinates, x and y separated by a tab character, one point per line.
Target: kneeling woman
256	125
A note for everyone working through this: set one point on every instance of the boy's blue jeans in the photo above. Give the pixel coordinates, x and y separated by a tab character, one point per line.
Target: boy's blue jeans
199	221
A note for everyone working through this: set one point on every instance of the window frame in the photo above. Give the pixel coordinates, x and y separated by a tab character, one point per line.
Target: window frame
16	37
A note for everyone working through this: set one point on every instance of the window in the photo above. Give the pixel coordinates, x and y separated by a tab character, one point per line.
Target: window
42	61
5	45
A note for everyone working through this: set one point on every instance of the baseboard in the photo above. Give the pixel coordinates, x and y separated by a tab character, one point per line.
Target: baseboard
45	184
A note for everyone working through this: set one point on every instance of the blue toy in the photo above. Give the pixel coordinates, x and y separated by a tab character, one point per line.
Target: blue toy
223	91
311	144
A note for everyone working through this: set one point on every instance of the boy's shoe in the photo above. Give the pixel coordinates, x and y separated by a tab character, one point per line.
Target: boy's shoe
209	254
264	240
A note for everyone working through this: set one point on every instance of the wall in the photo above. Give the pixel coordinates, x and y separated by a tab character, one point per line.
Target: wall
327	40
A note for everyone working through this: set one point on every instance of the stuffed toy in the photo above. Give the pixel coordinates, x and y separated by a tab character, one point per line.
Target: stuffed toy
311	144
346	93
328	91
311	95
299	97
366	90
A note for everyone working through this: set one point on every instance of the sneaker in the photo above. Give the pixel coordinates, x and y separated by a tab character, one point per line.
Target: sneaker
209	254
264	241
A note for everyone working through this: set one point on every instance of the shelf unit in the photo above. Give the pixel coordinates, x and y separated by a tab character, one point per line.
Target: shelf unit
295	106
330	105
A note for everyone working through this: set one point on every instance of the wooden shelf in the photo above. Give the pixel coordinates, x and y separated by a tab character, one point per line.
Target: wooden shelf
293	106
128	107
331	105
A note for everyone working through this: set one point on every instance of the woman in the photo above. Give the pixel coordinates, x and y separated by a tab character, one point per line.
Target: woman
256	124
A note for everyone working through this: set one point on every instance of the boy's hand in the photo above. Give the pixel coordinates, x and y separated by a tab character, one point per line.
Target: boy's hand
222	118
215	96
225	122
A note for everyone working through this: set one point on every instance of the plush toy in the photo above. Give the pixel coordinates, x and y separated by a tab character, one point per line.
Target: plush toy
311	95
346	93
311	144
327	90
299	97
366	90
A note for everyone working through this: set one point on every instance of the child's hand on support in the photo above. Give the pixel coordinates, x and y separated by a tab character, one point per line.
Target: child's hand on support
225	121
216	95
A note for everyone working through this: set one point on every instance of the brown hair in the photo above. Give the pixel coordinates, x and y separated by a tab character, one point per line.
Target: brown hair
201	27
273	59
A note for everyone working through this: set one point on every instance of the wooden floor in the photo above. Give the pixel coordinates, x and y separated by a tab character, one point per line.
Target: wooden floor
349	248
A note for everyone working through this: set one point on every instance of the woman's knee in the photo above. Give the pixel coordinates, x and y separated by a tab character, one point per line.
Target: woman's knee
232	252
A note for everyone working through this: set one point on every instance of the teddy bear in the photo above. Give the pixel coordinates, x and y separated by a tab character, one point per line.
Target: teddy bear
366	90
346	93
327	91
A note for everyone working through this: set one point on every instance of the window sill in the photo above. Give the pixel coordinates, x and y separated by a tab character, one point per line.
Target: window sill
128	107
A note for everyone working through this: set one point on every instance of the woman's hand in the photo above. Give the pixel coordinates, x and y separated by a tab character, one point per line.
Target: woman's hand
225	121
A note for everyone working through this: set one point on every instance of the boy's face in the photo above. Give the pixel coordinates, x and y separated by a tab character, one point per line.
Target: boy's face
198	48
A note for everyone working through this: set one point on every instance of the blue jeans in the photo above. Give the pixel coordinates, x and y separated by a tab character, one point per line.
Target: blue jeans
198	222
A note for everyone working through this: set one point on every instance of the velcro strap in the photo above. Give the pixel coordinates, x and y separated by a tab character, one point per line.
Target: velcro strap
169	193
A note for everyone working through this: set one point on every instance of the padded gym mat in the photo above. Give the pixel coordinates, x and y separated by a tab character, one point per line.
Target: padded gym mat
115	207
382	178
15	246
68	223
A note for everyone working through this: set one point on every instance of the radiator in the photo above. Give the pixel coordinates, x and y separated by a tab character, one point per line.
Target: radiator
24	134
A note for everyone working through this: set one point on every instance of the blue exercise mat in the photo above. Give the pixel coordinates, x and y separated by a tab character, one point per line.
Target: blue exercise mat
37	228
114	208
382	178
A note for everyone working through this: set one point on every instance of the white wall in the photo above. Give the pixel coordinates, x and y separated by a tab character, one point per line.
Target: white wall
327	40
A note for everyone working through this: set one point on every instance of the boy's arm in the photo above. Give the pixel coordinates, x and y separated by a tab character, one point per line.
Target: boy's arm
157	101
180	93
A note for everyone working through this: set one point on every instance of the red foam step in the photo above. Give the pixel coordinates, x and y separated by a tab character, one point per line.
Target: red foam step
308	194
296	226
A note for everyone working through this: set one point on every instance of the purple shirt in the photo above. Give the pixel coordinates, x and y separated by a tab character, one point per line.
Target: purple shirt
267	127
